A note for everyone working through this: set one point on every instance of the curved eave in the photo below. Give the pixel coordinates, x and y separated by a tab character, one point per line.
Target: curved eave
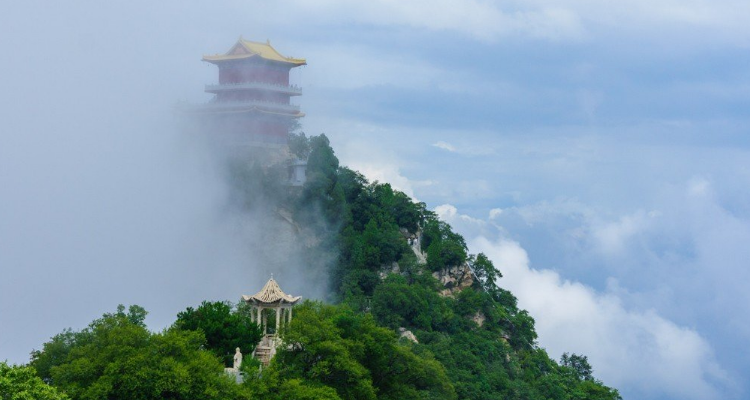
252	299
287	90
218	59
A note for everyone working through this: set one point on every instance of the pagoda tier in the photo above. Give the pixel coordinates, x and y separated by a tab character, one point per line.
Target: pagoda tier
247	128
252	97
290	90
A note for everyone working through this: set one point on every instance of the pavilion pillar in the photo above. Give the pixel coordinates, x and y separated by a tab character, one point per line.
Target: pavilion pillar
278	319
257	317
265	325
290	314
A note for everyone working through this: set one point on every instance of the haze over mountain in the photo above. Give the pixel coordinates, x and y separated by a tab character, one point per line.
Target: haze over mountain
597	153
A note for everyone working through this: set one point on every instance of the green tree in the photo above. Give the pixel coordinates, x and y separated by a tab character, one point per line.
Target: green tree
56	351
322	191
299	145
444	247
117	357
486	273
336	347
484	341
318	353
396	303
225	329
22	383
578	365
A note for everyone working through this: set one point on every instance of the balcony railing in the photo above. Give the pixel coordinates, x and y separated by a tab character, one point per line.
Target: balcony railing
289	89
213	104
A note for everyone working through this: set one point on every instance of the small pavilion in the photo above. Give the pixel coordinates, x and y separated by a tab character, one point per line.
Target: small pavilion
271	297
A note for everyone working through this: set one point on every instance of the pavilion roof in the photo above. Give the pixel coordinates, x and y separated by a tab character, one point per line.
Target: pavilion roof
246	49
272	293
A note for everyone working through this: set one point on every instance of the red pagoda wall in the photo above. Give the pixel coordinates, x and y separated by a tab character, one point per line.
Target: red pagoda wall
239	73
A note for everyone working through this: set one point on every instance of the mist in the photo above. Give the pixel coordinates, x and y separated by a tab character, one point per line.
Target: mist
103	197
607	144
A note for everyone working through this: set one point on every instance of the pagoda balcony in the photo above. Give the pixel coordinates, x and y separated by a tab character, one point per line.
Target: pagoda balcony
292	90
214	105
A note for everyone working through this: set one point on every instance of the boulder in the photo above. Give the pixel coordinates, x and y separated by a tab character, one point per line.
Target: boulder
407	334
454	279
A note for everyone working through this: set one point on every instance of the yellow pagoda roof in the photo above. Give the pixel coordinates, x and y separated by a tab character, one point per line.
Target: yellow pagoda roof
245	49
271	293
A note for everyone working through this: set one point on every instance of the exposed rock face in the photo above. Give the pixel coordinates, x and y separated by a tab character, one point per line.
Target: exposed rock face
386	270
454	279
415	242
403	333
479	318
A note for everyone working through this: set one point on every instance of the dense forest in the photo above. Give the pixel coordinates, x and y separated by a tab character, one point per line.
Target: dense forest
411	315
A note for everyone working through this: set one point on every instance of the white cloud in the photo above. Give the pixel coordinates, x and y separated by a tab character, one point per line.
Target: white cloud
446	212
489	21
612	237
356	66
464	150
637	349
445	146
380	163
483	20
699	187
450	214
385	173
634	349
544	210
495	212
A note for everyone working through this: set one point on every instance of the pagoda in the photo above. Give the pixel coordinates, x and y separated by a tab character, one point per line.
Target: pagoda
270	298
251	103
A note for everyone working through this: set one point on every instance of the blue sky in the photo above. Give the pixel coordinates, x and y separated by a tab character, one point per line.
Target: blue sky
597	152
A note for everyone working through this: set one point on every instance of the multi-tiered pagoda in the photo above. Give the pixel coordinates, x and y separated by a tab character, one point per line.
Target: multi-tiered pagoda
251	103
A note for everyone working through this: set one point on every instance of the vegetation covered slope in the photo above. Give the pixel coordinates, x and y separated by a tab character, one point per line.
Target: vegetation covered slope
486	344
399	271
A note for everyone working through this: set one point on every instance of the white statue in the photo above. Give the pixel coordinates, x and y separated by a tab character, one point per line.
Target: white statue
237	359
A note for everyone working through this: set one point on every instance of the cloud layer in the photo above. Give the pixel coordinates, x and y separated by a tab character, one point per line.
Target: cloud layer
598	149
631	348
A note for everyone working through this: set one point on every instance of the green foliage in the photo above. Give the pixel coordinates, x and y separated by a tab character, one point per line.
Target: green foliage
56	351
473	344
371	224
320	353
396	303
225	329
297	389
322	191
335	347
444	247
579	366
269	385
22	383
486	274
116	357
299	145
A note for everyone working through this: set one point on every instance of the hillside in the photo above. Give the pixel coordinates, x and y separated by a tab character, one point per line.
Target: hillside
410	314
